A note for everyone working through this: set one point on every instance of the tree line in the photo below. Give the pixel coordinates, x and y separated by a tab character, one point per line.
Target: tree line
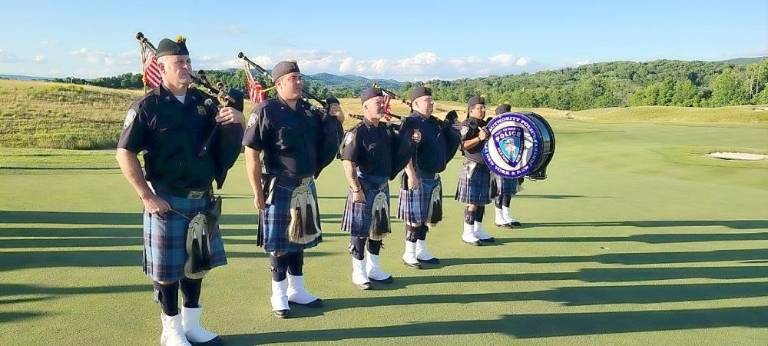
612	84
618	84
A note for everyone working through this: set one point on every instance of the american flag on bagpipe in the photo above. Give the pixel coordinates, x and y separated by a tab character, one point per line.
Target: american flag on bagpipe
149	68
253	88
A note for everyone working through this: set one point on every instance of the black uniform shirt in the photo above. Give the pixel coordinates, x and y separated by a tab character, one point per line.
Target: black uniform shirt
470	129
288	138
431	153
370	147
172	134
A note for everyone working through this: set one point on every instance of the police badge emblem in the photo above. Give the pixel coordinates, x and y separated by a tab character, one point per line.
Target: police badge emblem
519	145
201	111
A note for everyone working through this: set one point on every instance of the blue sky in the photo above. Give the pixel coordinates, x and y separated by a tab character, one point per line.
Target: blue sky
405	40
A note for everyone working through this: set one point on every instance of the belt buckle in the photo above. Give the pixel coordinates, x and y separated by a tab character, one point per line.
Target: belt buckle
195	194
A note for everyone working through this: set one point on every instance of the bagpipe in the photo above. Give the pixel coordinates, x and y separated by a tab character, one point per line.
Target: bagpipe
250	64
224	144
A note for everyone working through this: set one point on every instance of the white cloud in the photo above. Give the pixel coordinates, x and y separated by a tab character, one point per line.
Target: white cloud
7	57
502	59
582	62
100	58
89	63
236	30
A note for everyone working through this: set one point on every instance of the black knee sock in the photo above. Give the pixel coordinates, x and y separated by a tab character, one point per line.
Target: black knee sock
506	200
422	233
168	297
190	290
296	263
469	216
411	233
279	265
479	213
374	246
357	247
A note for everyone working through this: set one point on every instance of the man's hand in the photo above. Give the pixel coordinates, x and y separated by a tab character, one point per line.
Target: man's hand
414	183
155	205
483	134
229	115
358	196
416	136
258	201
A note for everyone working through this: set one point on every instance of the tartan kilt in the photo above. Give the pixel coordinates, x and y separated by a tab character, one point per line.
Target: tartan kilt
165	239
413	206
371	187
474	186
503	186
274	220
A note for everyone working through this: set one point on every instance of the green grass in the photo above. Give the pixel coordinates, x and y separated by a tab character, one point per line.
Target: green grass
64	116
635	238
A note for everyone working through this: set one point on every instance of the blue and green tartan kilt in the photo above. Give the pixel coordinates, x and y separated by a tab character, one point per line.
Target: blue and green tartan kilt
413	207
357	216
275	217
165	239
503	186
474	187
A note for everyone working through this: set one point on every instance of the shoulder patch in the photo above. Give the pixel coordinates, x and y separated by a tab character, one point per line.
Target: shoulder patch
129	118
349	137
251	120
464	130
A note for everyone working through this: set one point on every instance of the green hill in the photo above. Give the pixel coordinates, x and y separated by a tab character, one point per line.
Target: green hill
54	115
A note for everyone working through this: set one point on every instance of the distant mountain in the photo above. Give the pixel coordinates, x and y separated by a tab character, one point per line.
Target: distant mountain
743	61
21	77
352	81
619	84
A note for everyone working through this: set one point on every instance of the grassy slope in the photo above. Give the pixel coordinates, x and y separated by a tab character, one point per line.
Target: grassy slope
51	115
635	238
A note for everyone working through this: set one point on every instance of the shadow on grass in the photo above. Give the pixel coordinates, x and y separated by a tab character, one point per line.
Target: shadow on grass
568	296
572	296
17	316
105	218
526	326
12	260
592	275
735	224
21	289
624	258
644	238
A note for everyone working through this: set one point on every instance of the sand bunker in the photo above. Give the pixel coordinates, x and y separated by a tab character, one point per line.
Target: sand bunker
738	156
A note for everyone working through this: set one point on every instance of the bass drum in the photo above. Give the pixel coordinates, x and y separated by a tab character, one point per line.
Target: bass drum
520	144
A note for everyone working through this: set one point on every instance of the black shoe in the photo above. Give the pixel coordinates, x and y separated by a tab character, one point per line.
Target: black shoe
385	281
488	240
281	313
417	265
433	260
313	304
516	224
215	341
